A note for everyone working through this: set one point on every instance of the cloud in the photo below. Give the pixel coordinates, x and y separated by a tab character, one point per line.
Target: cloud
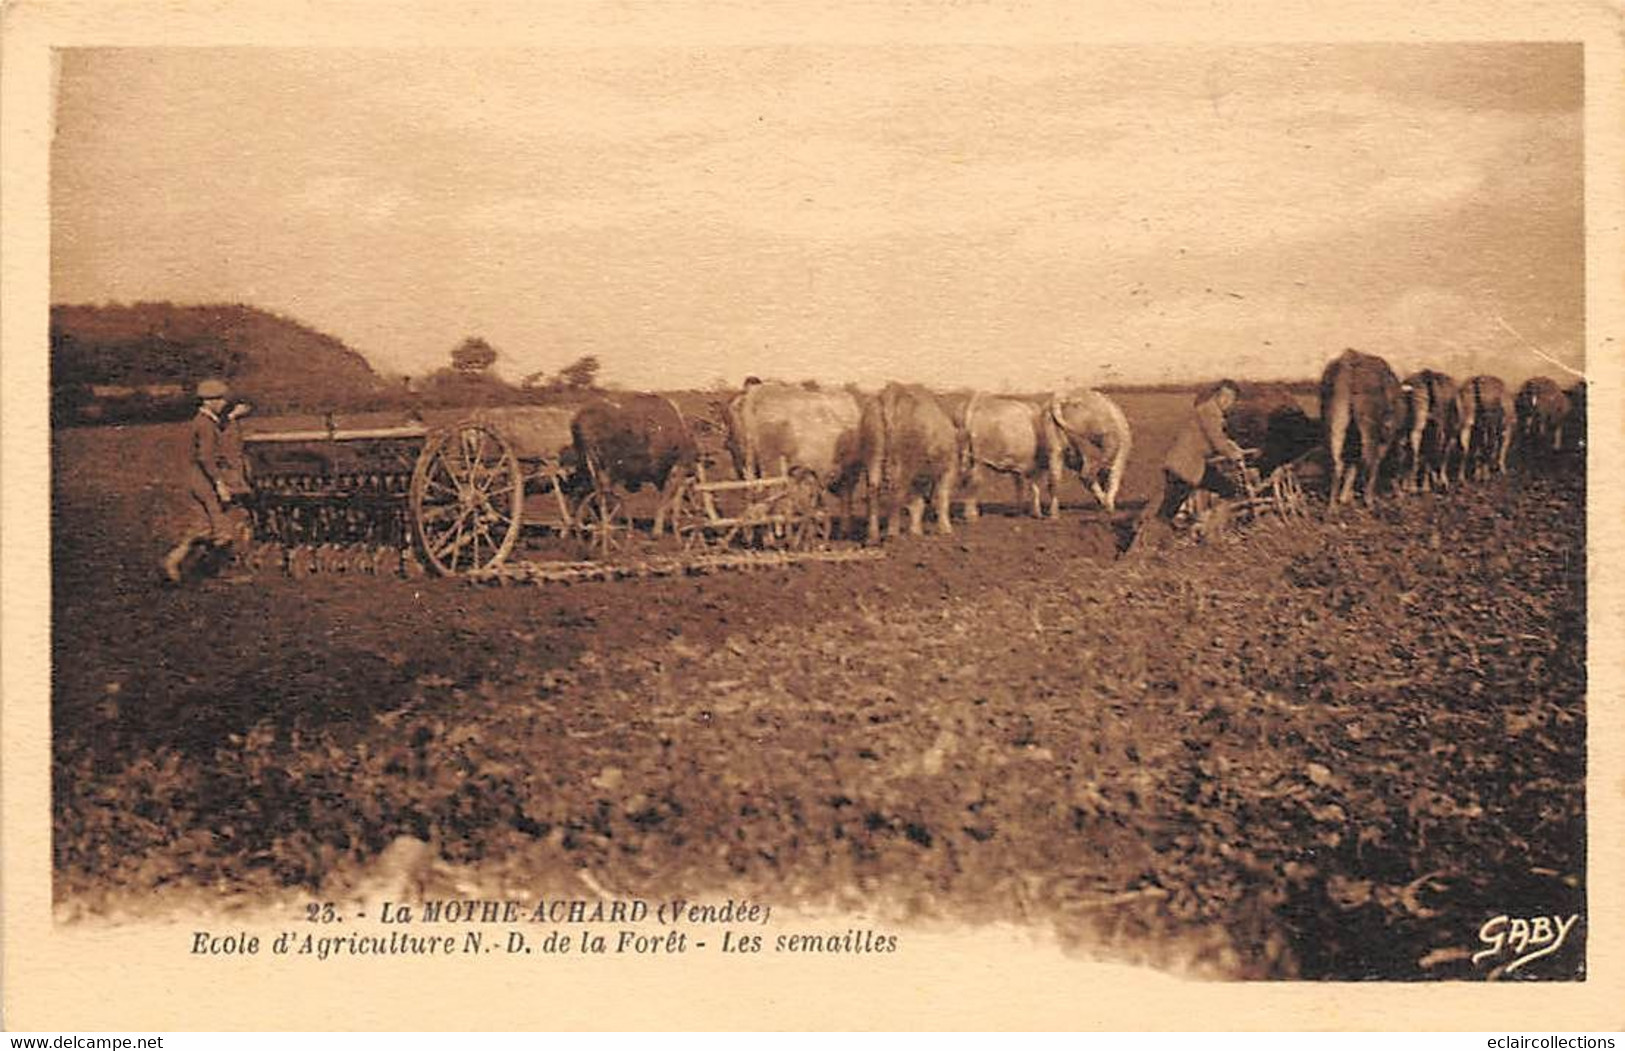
1138	183
853	212
1117	151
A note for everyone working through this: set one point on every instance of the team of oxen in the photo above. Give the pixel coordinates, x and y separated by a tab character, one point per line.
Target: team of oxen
1428	429
904	447
908	447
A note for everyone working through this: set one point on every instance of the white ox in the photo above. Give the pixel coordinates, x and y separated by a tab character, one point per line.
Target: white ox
836	435
1010	436
1095	434
921	456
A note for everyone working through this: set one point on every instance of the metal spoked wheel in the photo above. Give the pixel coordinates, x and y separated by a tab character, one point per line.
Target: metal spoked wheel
467	499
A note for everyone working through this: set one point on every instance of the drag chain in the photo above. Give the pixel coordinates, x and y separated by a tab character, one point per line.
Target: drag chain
689	565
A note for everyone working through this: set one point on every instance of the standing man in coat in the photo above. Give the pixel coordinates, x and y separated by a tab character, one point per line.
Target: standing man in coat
216	476
1187	467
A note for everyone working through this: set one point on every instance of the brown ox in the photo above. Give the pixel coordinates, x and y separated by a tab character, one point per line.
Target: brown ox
1485	416
1095	438
1359	395
629	441
1011	436
921	456
836	435
1576	427
1430	421
1543	411
1268	417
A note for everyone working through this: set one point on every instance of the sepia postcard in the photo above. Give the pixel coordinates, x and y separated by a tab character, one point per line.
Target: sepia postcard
935	516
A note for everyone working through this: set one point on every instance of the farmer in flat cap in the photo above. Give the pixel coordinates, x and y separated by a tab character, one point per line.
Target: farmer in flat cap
1189	467
216	477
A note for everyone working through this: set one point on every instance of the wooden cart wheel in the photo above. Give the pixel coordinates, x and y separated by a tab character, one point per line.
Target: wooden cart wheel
600	519
467	499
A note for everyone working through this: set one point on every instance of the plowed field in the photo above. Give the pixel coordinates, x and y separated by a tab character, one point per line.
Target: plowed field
1332	752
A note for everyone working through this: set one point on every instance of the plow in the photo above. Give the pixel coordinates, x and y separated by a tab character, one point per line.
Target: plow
1276	498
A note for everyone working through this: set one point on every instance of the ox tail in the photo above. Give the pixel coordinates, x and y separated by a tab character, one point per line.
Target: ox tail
1479	440
1530	407
684	430
736	424
1054	421
1417	413
888	429
1436	433
1125	445
1056	410
967	435
1056	415
1438	405
1119	465
882	490
1461	428
684	462
1336	407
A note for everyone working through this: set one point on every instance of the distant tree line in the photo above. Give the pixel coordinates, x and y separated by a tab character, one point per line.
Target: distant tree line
470	381
1299	386
142	361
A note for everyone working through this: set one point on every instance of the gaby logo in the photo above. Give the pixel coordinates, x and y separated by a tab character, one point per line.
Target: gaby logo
1518	936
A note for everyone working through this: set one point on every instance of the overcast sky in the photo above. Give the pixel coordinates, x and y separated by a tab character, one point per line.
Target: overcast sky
996	217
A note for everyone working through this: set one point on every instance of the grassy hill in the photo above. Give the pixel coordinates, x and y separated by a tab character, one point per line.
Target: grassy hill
142	361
